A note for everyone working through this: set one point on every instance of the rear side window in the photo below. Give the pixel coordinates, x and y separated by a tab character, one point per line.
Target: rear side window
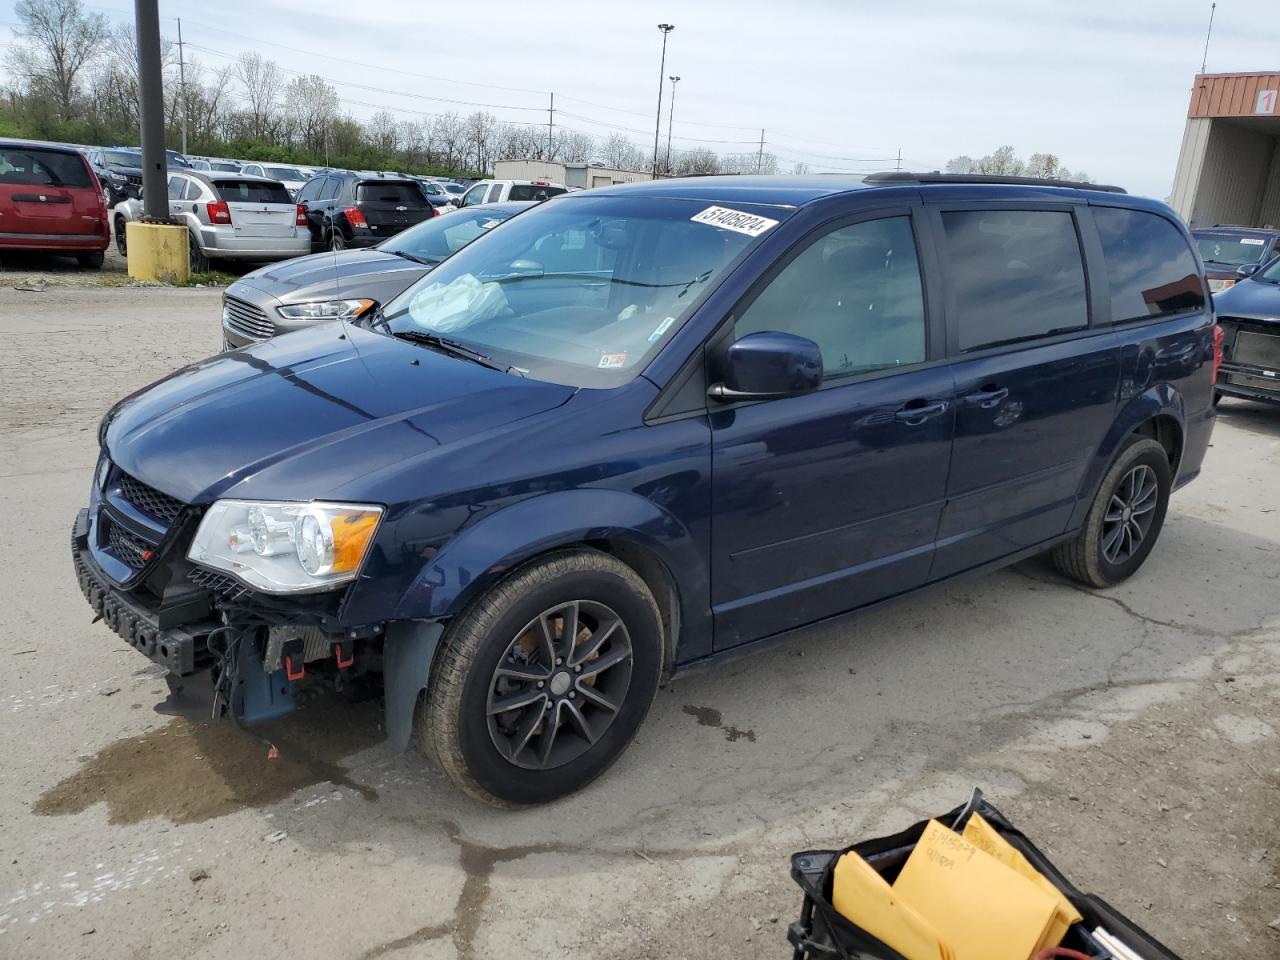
1149	264
43	168
252	191
529	191
1014	274
394	191
495	193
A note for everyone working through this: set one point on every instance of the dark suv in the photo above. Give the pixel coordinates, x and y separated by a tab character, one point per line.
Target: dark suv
644	427
357	210
1234	253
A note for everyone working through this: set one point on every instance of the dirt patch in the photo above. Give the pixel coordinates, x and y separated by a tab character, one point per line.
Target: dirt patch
189	771
711	717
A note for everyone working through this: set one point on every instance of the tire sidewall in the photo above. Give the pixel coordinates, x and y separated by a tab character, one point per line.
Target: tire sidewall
516	785
1138	452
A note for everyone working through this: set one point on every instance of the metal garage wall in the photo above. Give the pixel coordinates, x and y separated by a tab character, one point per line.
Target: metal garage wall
1232	176
1268	214
1190	162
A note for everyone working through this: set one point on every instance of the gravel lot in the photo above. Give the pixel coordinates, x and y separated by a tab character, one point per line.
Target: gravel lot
1135	733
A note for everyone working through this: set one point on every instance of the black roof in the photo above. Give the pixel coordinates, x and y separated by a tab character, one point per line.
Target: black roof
899	177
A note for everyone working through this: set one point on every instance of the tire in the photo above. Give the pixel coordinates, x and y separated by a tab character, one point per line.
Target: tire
199	262
506	758
337	241
1217	397
90	261
121	242
1101	557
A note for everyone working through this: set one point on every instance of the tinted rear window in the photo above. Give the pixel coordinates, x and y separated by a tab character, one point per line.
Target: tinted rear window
252	191
44	168
1016	274
1149	264
395	191
529	191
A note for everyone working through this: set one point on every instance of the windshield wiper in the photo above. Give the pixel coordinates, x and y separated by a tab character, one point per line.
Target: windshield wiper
415	258
453	348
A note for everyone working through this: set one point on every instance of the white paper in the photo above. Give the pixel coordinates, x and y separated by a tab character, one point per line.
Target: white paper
735	220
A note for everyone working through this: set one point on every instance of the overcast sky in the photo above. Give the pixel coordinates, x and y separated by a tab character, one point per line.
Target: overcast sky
1104	85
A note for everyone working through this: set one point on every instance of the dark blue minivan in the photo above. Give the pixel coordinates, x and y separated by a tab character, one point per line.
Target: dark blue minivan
640	427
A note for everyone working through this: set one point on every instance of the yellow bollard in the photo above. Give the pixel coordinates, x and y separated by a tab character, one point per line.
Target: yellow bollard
158	252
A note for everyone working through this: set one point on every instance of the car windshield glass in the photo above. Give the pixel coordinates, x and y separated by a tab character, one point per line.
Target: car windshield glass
252	191
228	167
533	191
581	291
283	173
455	188
398	192
433	240
1232	250
121	158
44	168
1271	273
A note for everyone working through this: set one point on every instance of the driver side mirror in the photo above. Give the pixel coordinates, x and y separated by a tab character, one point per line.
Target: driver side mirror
768	366
1248	270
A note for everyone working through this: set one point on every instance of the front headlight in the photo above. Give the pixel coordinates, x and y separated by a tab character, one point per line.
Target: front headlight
286	547
325	310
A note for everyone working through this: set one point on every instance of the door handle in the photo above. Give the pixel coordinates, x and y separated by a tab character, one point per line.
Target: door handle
986	397
917	412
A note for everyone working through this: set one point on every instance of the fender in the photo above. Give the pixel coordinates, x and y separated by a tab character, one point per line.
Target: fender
1162	399
484	552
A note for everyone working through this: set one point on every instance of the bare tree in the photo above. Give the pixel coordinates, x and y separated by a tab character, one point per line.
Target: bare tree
700	160
1004	161
313	105
383	132
574	147
619	152
800	169
61	40
962	164
261	80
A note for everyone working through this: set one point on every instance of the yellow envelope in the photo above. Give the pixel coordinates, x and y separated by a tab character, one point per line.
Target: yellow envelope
864	898
985	837
982	909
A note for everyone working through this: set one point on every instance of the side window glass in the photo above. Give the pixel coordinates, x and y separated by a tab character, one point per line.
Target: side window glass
176	185
856	292
495	193
1149	264
331	188
307	192
1015	275
192	191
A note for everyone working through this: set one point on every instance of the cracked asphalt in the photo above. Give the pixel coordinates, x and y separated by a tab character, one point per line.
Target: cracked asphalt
1135	734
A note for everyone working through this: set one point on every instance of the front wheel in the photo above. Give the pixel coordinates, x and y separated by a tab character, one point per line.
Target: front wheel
1125	519
121	243
544	679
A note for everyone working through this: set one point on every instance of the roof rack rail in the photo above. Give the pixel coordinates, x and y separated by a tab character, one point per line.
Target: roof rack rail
902	176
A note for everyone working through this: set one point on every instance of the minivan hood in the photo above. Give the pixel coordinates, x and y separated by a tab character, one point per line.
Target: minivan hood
300	416
371	273
1249	298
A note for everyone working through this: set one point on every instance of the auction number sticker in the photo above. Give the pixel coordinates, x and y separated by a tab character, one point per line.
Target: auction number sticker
734	220
612	361
1252	241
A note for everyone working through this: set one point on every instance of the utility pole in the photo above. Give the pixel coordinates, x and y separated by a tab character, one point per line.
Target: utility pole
760	155
1205	62
182	80
899	164
671	119
155	194
666	28
551	126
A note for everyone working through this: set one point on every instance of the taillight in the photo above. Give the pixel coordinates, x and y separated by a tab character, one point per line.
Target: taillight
219	212
355	217
301	219
1218	338
435	211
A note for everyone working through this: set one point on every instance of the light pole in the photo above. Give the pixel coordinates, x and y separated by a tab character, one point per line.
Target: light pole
670	119
662	69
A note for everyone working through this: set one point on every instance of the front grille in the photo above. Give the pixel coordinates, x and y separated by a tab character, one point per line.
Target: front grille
150	500
135	179
246	319
127	547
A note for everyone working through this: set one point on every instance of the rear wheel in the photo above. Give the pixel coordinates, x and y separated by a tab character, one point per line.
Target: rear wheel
121	246
199	262
90	261
544	680
1124	520
337	241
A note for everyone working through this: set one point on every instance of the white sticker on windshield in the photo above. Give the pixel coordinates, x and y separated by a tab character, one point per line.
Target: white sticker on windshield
1252	241
734	220
662	328
612	361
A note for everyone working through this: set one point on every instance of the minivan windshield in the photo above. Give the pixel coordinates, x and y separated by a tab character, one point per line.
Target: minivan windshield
1231	250
439	238
582	290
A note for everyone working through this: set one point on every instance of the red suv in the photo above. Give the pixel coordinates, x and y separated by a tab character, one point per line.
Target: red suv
50	200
